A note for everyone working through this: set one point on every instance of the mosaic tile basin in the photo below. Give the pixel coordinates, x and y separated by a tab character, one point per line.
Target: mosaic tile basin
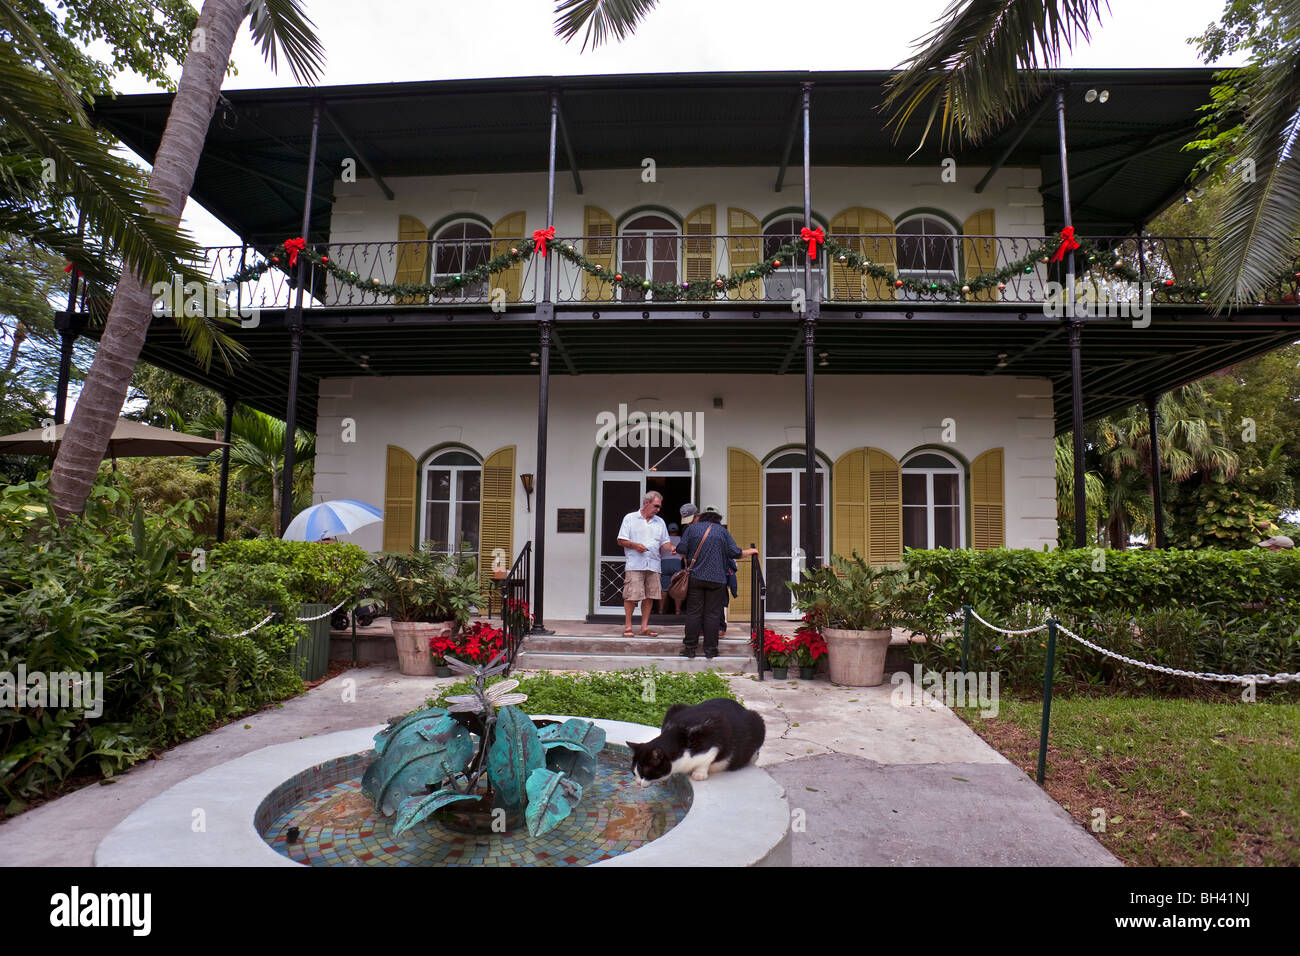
739	818
338	826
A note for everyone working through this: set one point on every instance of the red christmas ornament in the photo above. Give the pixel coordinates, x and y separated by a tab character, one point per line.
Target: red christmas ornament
275	260
776	263
1168	282
324	258
618	277
898	283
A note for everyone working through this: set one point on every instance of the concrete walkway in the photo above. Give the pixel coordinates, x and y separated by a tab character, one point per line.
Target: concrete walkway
869	784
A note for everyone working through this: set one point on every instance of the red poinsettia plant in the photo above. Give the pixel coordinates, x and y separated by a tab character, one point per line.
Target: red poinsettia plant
440	647
777	648
480	642
809	646
517	615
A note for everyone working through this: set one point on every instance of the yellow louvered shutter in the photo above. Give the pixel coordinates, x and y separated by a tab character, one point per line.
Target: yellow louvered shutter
412	260
987	498
496	512
400	490
744	250
849	283
744	520
508	231
849	495
598	230
980	255
884	507
699	252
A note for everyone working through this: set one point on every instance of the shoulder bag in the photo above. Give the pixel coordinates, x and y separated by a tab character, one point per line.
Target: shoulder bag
681	581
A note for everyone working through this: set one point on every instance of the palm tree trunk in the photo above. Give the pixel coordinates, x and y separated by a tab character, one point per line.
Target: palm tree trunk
109	378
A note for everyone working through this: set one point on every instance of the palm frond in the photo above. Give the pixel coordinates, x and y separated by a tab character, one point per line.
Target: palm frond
281	25
1261	218
110	191
18	26
983	63
600	19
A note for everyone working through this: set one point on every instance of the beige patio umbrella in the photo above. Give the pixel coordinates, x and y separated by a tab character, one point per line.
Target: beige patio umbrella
130	440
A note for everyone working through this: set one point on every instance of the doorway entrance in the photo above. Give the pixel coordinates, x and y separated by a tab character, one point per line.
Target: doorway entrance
626	470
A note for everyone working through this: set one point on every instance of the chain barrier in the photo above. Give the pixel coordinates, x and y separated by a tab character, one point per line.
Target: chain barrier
1282	678
327	613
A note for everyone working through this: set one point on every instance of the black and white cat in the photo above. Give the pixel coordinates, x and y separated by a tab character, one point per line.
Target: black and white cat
706	738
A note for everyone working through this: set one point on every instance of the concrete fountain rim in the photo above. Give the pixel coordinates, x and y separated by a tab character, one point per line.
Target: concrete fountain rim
737	818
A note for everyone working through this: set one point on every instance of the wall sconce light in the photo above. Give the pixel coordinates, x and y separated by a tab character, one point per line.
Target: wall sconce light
823	363
532	356
527	481
1093	96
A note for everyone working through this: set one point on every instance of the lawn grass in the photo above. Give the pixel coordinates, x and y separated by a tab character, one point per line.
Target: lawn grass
1179	782
639	696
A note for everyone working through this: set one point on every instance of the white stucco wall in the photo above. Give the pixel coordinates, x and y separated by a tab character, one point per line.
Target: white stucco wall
759	414
363	214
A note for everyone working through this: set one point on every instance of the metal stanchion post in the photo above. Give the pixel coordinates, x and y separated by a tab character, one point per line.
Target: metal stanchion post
1047	700
965	636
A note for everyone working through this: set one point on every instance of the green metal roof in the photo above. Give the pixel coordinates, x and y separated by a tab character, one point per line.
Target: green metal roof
253	172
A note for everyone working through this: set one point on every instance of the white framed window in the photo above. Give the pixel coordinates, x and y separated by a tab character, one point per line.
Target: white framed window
452	489
785	500
927	251
934	495
650	246
782	283
458	248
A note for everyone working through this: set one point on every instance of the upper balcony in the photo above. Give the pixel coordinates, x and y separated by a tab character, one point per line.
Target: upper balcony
932	271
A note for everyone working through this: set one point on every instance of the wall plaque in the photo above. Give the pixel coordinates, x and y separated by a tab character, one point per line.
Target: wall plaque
571	520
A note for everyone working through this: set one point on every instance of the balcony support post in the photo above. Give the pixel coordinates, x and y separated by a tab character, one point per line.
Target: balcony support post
294	320
1153	399
811	527
545	321
68	338
1076	433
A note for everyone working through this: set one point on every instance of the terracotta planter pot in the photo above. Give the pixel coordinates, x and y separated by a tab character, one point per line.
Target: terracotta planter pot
412	640
857	658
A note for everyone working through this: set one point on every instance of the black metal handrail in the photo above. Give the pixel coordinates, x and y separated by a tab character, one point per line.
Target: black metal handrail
516	603
757	607
1182	260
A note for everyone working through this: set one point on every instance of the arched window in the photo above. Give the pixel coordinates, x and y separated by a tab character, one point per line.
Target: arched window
927	250
458	248
648	247
452	482
933	495
782	283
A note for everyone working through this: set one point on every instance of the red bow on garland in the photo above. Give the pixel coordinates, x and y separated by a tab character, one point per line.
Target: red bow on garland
812	237
541	237
293	247
1067	244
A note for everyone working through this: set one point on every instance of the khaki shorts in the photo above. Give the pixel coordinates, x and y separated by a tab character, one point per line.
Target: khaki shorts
641	585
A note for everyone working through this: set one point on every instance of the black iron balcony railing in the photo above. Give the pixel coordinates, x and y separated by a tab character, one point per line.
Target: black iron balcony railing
906	268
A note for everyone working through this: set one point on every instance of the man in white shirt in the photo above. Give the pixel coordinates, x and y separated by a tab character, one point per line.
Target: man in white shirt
644	537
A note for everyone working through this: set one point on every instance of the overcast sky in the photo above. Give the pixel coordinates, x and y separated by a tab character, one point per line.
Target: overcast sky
399	40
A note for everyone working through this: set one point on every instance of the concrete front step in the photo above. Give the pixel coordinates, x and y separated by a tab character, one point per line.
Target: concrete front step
665	645
532	659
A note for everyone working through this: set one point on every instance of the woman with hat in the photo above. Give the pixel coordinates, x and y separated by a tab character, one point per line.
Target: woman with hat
705	548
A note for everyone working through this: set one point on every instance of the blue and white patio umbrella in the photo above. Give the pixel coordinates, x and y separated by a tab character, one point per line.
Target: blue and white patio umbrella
330	519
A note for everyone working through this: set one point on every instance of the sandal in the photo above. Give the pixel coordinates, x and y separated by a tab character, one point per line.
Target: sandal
649	633
627	632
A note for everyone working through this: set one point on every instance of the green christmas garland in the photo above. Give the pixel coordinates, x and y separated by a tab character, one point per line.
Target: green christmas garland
708	289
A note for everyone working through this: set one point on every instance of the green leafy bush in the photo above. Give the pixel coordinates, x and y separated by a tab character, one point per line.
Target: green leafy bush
1226	612
128	596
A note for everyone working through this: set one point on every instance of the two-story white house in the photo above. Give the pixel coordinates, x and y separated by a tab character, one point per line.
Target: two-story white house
677	336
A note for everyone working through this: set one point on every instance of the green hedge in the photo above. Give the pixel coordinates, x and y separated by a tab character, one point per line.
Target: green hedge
1228	612
130	596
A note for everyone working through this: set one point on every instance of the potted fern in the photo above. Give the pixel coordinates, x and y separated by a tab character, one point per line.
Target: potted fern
428	596
855	606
